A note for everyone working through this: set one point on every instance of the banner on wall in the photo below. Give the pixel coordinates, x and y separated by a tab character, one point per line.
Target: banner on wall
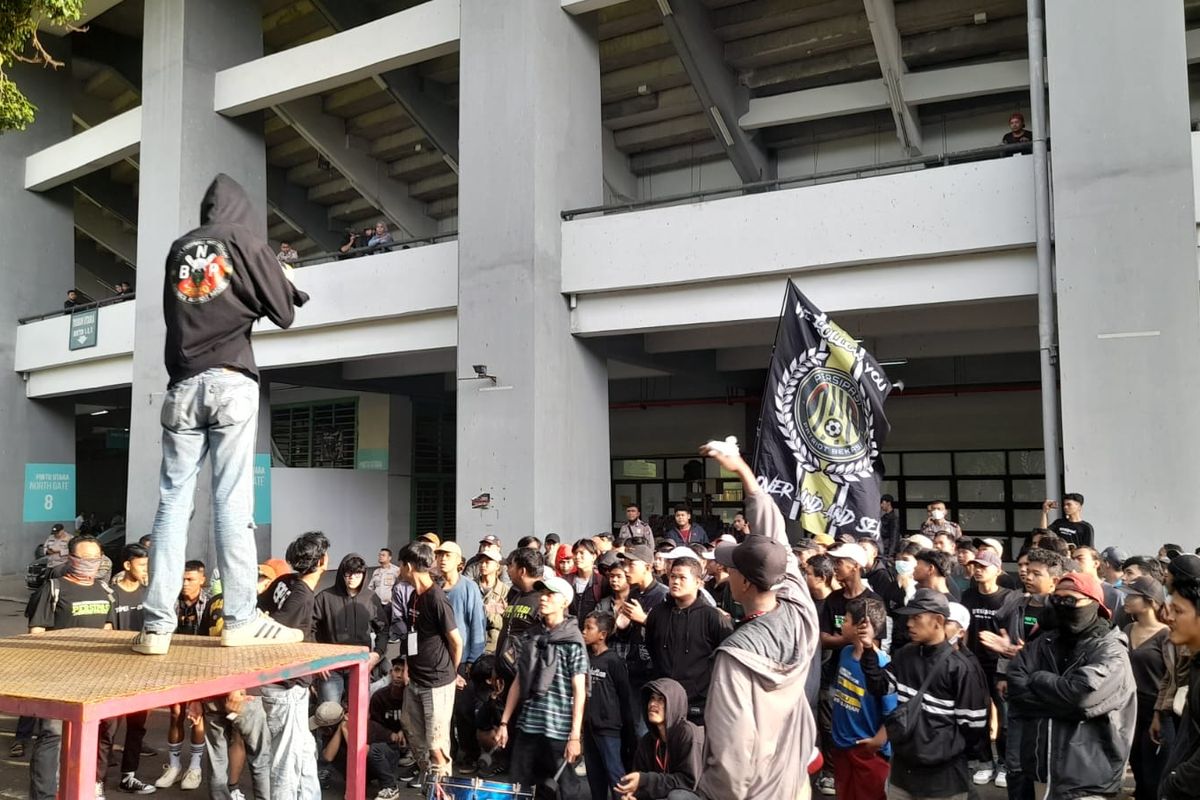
822	424
49	493
262	488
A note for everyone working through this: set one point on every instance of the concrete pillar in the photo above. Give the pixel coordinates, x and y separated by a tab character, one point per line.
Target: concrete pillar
1128	299
38	262
530	146
400	471
184	145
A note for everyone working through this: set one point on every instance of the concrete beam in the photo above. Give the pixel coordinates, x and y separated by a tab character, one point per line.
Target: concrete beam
368	175
105	144
917	88
399	40
881	17
584	6
106	231
291	203
115	198
722	96
438	120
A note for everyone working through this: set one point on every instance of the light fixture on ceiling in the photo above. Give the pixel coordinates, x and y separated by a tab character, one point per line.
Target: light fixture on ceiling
893	362
99	413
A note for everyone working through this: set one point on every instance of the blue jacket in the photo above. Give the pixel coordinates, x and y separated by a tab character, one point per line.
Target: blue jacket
467	603
698	536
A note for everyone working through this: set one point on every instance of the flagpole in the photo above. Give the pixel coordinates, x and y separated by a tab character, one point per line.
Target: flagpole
770	364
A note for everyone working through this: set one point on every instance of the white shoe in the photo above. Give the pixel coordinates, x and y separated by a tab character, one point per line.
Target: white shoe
1001	779
152	644
262	631
983	776
191	779
169	776
100	790
236	794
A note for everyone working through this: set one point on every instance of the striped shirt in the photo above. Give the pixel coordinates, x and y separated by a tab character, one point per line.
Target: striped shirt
550	714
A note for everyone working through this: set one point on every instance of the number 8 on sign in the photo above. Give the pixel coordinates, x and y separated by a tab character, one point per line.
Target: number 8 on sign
48	502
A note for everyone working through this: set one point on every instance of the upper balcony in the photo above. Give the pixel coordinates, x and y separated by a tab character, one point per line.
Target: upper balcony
401	301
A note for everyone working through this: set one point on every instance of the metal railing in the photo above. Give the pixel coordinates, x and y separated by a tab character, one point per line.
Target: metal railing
355	252
66	312
829	176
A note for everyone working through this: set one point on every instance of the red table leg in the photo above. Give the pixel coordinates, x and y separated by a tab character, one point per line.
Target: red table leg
80	740
356	742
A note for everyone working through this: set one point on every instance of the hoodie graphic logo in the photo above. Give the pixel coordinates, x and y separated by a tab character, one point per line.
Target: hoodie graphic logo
203	270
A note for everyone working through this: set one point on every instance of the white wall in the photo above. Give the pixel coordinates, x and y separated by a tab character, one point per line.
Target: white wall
350	506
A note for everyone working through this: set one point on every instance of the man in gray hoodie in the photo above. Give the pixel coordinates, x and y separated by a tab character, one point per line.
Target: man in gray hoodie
756	699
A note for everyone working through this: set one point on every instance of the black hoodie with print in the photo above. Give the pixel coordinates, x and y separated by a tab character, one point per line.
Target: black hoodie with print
675	763
221	278
342	618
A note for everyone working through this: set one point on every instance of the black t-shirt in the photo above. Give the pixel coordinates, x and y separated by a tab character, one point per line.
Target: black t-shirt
1018	138
1080	534
833	613
520	615
290	602
984	608
1033	610
386	707
432	619
77	606
128	608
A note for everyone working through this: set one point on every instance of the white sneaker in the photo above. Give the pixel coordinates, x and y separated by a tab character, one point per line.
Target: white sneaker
100	790
169	776
191	779
236	793
262	631
1001	779
388	793
152	644
983	776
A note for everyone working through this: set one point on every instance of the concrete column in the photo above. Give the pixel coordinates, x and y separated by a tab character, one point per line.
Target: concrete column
38	261
184	145
1128	299
400	471
530	146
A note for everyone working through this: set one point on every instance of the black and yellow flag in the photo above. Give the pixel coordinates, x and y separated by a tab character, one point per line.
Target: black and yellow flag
822	424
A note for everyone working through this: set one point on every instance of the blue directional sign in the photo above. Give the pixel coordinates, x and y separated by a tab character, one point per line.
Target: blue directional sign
262	488
49	493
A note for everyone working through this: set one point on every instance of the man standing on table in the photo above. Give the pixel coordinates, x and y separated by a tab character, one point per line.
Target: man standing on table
220	279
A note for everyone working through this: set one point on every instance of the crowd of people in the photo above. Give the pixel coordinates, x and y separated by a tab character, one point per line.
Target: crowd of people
618	666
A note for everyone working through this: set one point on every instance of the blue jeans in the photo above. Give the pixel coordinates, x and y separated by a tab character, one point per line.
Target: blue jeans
602	755
215	412
333	687
293	749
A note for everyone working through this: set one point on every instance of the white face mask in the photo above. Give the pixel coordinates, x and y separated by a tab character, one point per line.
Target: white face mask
904	567
954	639
938	514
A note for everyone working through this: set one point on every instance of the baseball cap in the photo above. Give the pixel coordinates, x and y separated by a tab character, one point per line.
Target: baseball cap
960	614
849	550
638	552
1147	587
328	713
664	545
823	539
1114	556
493	552
607	561
490	539
58	526
681	552
725	538
988	559
267	571
1186	567
992	543
1088	586
430	537
556	585
603	535
921	539
449	547
760	559
280	566
926	601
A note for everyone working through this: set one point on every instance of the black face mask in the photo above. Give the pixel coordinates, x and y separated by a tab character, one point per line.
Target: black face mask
1075	619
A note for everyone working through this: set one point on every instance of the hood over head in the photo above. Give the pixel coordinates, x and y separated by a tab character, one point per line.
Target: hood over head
675	701
351	564
226	202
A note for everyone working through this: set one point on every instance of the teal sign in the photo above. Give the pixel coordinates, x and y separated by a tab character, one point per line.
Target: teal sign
372	459
262	489
116	440
49	493
83	328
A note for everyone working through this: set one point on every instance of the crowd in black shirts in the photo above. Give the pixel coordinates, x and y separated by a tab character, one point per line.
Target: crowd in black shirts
621	667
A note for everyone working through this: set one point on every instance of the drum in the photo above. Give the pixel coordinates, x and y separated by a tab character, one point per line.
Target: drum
475	789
